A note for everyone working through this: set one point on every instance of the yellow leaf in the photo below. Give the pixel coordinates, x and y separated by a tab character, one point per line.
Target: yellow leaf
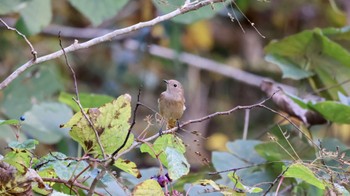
198	36
148	187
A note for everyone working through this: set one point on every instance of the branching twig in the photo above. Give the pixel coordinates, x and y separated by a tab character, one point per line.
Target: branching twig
107	37
68	183
291	122
136	143
34	53
77	100
111	161
275	181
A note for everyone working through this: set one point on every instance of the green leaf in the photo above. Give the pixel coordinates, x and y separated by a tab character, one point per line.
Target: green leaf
177	163
246	148
148	187
34	17
289	68
304	173
20	159
8	6
98	11
333	111
86	100
64	169
39	84
206	184
312	52
26	145
238	184
9	122
271	151
43	121
111	123
128	166
190	17
161	143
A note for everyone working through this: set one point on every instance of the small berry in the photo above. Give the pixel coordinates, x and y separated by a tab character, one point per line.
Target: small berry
22	118
162	180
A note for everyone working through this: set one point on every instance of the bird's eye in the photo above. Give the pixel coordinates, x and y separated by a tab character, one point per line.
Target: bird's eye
175	85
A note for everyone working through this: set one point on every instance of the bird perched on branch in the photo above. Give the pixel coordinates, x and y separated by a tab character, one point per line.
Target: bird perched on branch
171	103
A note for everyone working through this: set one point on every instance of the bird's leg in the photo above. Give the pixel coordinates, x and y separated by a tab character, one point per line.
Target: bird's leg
178	124
161	127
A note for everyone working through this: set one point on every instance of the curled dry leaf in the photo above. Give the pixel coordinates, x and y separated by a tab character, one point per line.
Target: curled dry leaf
286	104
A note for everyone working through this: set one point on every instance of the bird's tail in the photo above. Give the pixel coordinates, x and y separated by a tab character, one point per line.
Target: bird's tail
171	124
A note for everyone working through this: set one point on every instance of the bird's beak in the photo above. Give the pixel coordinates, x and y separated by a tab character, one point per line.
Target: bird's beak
166	81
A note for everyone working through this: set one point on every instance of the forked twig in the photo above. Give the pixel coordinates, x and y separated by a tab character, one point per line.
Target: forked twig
34	53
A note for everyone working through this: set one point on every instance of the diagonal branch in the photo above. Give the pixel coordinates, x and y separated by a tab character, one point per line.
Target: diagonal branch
34	53
107	37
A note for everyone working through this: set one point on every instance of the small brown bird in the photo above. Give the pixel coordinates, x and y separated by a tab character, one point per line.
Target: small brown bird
171	103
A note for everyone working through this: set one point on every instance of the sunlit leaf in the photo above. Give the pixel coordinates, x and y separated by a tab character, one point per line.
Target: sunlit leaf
148	187
9	122
128	166
109	120
20	159
302	172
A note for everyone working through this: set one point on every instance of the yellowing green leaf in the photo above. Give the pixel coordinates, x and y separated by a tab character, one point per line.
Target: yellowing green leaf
110	122
20	159
148	187
302	172
128	166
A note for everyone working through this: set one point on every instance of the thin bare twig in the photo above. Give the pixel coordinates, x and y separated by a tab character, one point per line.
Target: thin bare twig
246	124
68	183
34	53
96	180
276	180
131	126
77	100
113	158
291	122
136	143
107	37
